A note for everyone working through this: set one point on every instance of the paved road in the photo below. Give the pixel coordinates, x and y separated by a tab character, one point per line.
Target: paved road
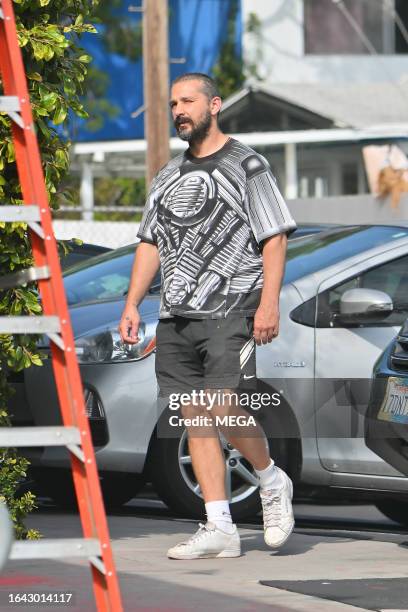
363	567
362	516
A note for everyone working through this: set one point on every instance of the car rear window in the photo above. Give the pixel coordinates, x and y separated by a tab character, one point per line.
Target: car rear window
311	253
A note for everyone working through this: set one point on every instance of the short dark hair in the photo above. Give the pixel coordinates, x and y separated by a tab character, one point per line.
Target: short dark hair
209	86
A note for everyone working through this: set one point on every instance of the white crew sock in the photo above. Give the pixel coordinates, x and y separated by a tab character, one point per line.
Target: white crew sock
269	478
218	512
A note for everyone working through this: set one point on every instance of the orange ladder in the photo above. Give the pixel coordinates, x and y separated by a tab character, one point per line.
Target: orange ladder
55	323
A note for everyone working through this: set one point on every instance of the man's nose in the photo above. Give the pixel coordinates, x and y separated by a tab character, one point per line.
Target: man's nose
178	110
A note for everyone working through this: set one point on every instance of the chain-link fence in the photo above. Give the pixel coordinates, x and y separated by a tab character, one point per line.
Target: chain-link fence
111	234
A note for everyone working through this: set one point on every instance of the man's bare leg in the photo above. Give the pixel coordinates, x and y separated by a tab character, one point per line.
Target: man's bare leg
255	450
205	448
206	455
219	536
255	447
276	489
209	466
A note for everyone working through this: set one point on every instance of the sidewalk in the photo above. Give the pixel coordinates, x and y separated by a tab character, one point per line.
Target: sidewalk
149	581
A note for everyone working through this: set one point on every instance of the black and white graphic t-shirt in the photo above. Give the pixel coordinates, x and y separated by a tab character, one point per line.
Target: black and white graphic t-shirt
208	217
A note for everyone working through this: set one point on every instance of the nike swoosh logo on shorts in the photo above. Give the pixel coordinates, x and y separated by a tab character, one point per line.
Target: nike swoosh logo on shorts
246	377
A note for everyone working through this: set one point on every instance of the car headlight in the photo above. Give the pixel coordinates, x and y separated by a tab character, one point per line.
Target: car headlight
106	346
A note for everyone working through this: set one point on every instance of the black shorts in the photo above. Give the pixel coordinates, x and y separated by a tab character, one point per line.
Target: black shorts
205	354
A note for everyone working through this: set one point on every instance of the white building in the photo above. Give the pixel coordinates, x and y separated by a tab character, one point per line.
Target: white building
333	77
323	64
317	41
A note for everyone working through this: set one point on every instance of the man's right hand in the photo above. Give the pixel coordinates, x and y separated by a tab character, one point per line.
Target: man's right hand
129	325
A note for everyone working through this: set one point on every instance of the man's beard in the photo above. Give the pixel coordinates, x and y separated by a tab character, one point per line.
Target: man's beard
198	132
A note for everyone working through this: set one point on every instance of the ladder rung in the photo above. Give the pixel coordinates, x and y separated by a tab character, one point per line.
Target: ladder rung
38	436
24	276
9	104
30	325
26	213
55	548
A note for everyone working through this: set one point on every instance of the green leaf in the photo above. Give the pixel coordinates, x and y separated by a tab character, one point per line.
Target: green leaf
41	111
69	85
89	28
11	156
81	112
60	114
39	49
85	59
46	132
56	36
49	100
48	52
44	2
22	39
61	159
34	76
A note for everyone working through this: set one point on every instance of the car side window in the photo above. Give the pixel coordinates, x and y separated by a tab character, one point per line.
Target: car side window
391	277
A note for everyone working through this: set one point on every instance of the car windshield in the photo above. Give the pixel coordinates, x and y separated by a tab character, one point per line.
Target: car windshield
107	276
103	277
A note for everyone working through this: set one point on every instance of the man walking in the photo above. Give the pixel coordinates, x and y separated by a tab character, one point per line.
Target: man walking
217	224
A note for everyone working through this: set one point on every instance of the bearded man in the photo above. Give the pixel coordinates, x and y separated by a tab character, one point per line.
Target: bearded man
217	225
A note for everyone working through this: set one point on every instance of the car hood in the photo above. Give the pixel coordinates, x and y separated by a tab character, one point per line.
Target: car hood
92	315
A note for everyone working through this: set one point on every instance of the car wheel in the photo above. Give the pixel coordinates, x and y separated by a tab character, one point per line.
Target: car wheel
117	488
174	481
395	510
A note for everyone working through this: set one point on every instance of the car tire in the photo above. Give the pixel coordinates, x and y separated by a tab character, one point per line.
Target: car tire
175	487
117	488
395	510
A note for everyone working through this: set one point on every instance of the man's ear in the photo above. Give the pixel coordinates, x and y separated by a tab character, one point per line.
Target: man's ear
216	104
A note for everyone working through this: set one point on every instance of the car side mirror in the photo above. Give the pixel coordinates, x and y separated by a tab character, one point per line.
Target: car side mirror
361	304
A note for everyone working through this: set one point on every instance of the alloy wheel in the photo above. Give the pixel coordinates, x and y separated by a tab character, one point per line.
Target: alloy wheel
240	478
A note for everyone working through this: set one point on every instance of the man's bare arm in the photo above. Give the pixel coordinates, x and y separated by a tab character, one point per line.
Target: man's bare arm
145	267
266	322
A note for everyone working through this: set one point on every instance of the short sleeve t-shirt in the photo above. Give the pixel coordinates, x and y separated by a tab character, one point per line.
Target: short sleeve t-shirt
208	217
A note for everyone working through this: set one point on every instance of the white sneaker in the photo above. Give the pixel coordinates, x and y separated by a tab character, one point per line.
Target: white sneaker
277	512
208	542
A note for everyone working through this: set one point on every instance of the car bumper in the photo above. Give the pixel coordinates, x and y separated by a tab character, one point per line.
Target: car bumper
128	394
386	438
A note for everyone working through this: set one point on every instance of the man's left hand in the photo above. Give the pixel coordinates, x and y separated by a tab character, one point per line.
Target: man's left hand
266	324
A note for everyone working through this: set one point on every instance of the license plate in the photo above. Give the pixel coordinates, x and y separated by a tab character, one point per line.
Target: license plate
395	405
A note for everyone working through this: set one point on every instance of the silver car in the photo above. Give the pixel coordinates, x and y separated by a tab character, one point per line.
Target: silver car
344	296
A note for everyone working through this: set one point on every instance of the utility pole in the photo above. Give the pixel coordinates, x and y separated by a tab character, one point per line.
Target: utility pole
156	85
